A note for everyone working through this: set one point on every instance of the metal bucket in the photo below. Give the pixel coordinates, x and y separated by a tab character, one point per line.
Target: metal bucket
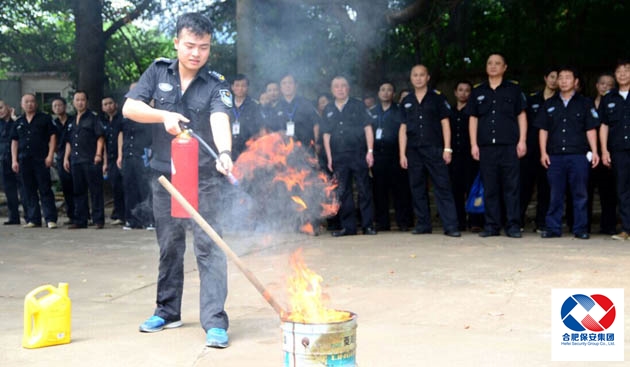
331	344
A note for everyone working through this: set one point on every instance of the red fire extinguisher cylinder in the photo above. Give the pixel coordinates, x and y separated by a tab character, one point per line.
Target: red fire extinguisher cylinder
185	172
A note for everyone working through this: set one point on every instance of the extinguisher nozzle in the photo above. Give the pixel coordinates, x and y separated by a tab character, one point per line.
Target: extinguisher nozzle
232	179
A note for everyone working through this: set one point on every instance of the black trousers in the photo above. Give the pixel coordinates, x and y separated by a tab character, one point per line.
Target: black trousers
12	185
500	172
346	166
425	162
621	162
114	176
463	170
137	188
602	178
534	175
65	178
88	177
390	179
37	186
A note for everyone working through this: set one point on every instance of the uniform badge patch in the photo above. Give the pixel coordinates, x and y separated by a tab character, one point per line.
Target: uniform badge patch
447	105
594	113
535	106
551	109
481	98
407	105
611	105
329	114
165	87
226	97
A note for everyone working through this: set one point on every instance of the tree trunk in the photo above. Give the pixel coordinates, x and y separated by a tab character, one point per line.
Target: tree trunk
90	50
245	35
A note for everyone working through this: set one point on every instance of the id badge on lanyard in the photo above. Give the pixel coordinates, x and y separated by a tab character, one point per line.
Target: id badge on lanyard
236	128
290	128
379	133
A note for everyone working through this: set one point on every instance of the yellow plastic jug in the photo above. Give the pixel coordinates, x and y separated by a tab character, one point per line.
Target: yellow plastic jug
47	317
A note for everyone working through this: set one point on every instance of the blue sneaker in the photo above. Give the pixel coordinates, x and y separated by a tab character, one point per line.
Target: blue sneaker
156	323
217	338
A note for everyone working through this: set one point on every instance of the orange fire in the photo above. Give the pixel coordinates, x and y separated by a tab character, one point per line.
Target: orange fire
299	202
292	178
307	228
305	290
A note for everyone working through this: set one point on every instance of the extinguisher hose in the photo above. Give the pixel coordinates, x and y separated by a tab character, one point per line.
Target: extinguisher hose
210	151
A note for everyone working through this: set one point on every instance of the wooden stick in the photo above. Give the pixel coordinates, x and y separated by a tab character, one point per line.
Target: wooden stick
224	246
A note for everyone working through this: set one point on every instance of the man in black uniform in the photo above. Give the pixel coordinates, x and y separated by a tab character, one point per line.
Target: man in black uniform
185	90
295	115
32	151
463	169
134	142
112	122
498	131
10	180
614	136
389	178
85	142
347	134
568	143
65	178
533	174
245	115
425	146
272	96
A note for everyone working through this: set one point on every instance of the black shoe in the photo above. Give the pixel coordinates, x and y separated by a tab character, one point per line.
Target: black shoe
420	230
582	236
487	233
369	231
454	233
13	222
343	232
514	234
77	226
549	234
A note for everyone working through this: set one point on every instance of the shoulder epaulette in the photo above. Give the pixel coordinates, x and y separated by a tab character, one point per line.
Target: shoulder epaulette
533	94
513	81
476	85
94	113
216	75
437	92
162	59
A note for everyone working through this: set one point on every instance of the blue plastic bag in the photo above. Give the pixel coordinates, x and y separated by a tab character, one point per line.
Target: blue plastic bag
475	203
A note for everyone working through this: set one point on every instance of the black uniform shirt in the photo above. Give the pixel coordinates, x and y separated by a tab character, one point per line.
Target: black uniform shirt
6	130
460	136
249	119
567	126
83	137
208	93
346	127
112	128
301	112
386	125
424	120
615	112
535	102
61	131
497	111
136	137
33	137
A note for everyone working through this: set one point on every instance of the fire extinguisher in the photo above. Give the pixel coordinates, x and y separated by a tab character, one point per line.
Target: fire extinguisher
185	172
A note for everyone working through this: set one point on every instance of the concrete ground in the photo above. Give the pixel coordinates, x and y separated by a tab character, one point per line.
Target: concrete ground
421	300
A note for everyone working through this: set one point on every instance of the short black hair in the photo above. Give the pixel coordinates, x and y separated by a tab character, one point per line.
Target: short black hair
570	69
81	91
63	100
550	70
288	74
238	77
463	81
387	82
622	62
270	82
196	23
500	54
108	96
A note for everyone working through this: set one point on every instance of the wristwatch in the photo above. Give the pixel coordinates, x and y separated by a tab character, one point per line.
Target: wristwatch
448	150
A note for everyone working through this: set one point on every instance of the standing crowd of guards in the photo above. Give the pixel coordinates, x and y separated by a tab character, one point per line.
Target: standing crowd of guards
556	143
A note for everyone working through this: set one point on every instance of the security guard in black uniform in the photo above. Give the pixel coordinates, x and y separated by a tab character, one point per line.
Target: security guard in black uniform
85	143
245	115
388	177
112	122
65	178
295	115
32	151
463	169
349	144
533	174
425	146
184	90
498	131
568	146
134	148
10	180
614	136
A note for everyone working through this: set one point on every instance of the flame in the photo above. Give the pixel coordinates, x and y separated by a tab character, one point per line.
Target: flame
306	302
329	209
300	202
307	228
292	178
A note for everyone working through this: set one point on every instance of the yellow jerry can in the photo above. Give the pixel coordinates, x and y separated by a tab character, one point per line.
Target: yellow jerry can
47	316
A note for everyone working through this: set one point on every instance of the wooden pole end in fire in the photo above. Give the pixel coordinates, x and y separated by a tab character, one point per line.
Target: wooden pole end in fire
222	245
